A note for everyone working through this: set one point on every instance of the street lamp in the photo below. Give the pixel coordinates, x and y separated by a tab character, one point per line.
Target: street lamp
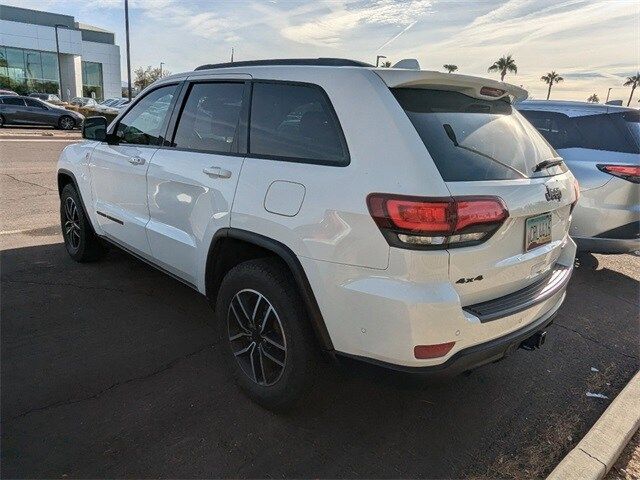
58	58
608	92
378	57
126	22
161	64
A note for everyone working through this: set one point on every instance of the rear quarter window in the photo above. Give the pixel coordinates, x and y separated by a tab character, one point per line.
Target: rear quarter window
295	122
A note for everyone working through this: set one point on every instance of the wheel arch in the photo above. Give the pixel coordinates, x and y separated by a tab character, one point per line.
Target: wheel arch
235	246
66	177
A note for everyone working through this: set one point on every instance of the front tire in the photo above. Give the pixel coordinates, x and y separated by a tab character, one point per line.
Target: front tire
80	240
66	123
267	340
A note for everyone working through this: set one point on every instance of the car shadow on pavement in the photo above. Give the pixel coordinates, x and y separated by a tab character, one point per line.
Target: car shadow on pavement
113	369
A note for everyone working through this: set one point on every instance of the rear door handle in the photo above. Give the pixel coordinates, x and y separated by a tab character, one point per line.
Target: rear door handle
136	160
217	172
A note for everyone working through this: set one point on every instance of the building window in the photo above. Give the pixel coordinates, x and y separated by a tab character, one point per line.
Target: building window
92	80
28	71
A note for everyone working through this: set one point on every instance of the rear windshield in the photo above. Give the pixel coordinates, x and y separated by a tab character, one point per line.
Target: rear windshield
471	139
613	132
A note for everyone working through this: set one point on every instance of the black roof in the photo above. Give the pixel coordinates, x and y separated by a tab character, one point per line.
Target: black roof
321	62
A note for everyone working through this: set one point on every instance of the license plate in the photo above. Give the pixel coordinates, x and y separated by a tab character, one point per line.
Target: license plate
537	231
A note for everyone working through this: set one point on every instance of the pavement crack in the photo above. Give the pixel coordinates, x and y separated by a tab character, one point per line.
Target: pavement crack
28	183
101	392
591	456
593	340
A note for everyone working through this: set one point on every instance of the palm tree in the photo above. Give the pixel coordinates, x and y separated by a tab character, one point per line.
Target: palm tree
450	67
386	64
632	81
593	98
504	65
551	78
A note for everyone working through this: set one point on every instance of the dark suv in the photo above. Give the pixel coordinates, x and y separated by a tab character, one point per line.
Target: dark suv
17	110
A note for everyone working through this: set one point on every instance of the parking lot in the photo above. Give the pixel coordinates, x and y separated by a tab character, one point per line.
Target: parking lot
111	369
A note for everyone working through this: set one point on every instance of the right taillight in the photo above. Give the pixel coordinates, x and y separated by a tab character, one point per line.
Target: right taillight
428	223
627	172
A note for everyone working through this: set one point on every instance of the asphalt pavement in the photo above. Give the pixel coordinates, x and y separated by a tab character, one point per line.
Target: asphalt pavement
112	369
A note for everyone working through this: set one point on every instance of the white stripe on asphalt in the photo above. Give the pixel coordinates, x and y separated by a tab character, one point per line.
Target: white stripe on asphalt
74	140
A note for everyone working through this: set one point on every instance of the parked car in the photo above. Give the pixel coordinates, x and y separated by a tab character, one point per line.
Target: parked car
17	110
47	97
8	92
601	146
83	102
410	219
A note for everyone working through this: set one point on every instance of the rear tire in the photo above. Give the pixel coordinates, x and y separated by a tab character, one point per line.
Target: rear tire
66	123
80	240
262	323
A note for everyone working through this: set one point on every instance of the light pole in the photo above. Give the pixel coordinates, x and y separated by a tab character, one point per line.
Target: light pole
126	22
161	64
608	92
58	59
378	57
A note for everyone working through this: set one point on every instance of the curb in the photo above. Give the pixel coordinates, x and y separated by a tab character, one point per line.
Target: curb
596	453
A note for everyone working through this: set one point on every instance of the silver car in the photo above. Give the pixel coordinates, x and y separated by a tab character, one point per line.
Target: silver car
601	146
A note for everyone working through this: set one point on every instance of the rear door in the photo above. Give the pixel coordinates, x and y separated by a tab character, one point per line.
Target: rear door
486	148
119	169
13	110
191	183
38	113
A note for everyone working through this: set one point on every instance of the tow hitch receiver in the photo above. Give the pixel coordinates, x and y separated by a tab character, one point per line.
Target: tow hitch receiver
534	341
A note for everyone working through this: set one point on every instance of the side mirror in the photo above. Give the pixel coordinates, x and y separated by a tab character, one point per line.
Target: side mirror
95	128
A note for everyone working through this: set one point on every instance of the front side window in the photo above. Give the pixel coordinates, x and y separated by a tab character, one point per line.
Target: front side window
471	139
294	122
209	119
34	103
144	124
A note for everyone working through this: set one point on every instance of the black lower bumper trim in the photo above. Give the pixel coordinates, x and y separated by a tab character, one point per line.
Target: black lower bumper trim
471	357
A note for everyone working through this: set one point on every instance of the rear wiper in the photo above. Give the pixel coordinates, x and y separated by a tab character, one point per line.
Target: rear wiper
452	136
551	162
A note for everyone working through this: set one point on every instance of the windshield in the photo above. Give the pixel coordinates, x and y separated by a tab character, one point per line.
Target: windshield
471	139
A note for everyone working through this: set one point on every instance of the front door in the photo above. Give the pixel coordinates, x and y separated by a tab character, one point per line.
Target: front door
119	170
191	184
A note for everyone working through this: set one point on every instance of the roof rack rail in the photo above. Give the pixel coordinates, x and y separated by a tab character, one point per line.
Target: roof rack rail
322	62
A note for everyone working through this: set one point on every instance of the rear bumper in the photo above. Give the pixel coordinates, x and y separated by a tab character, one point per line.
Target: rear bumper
475	356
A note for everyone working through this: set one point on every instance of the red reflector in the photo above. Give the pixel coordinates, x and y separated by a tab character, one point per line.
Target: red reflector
492	92
432	351
420	216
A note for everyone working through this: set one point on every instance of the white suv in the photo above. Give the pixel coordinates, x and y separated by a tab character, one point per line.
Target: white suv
407	218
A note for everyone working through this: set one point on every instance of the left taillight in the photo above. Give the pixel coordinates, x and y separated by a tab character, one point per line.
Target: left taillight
627	172
435	223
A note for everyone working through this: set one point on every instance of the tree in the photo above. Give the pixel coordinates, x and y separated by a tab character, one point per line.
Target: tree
449	67
504	65
632	81
551	78
593	98
143	77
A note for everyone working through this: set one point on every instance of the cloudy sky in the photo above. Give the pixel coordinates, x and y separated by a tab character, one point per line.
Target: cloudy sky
593	44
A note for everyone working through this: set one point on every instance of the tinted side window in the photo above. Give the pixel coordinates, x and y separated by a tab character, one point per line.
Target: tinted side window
13	101
601	132
144	124
33	103
294	122
558	129
209	119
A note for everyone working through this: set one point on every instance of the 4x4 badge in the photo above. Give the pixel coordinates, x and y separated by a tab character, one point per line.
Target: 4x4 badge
553	194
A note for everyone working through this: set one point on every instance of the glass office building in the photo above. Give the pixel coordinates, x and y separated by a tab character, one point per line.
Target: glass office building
32	42
26	71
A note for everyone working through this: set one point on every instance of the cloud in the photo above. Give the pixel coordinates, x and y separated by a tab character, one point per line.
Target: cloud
329	29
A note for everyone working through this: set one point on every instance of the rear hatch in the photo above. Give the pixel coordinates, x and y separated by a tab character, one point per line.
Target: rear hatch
484	148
